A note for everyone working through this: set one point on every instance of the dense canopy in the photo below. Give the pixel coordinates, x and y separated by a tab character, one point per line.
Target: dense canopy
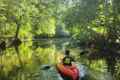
85	22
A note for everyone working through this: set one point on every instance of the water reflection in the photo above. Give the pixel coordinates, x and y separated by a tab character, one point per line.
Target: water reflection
33	54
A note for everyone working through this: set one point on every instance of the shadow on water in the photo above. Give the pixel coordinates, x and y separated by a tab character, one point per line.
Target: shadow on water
33	54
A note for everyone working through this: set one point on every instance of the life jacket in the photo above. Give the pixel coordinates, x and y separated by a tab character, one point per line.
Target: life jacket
68	71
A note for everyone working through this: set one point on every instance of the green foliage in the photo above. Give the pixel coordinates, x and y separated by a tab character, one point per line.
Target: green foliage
35	17
85	20
81	13
47	27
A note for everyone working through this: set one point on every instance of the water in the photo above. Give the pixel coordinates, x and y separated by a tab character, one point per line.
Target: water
26	63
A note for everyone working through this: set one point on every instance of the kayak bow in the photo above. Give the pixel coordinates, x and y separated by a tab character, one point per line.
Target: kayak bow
68	71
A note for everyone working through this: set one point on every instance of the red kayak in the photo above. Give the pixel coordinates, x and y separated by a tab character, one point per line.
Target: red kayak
69	71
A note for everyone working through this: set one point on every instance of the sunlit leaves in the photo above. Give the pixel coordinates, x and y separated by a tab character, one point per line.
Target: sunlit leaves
25	31
100	30
47	27
98	66
47	57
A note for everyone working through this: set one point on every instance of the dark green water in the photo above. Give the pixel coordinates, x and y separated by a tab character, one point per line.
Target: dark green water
26	63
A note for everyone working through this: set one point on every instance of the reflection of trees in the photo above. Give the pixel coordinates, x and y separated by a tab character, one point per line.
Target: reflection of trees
14	64
2	47
44	55
59	43
105	50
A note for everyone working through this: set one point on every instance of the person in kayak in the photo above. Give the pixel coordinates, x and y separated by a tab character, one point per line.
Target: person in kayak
68	59
66	69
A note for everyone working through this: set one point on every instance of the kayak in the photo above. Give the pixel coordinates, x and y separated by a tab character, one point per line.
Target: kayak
68	72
